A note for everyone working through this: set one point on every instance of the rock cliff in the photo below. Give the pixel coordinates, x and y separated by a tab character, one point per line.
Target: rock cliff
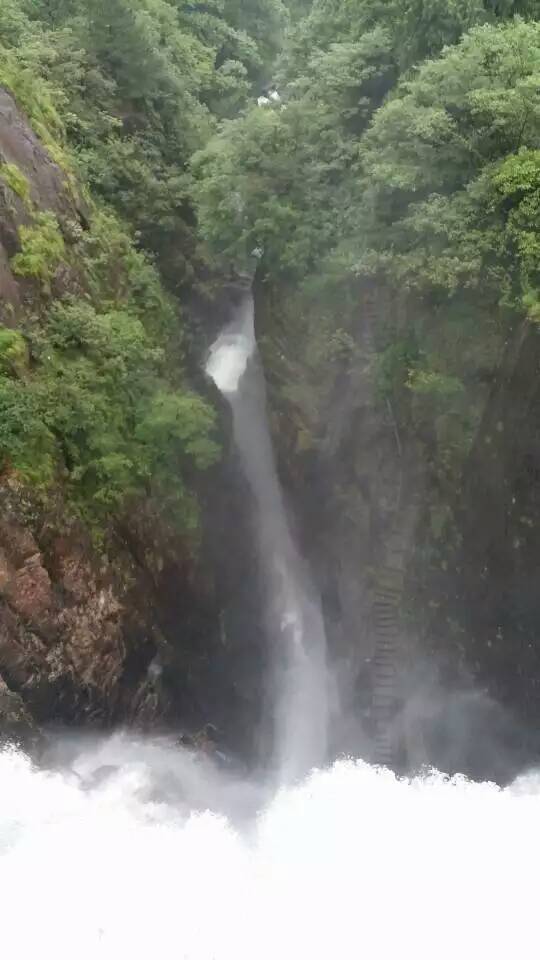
130	629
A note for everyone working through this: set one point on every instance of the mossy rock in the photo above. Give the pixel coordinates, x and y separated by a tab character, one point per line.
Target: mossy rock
16	181
42	250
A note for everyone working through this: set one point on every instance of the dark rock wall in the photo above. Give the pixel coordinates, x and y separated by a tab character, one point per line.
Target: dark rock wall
139	631
499	572
136	629
354	495
49	189
432	627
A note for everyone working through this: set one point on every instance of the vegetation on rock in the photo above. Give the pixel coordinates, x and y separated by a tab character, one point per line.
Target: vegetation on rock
121	93
418	176
402	156
15	180
392	198
403	150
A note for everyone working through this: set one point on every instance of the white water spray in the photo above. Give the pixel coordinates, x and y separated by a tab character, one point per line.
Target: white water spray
295	626
350	863
231	352
135	849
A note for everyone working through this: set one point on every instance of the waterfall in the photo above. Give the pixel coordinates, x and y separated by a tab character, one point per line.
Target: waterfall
130	847
294	623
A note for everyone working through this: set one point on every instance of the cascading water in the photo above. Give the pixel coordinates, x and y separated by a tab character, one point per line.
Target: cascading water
131	848
294	621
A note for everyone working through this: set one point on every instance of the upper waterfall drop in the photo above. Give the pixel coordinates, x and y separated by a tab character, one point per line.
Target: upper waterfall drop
293	620
230	353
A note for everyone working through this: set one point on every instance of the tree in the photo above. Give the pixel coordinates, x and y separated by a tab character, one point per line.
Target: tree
277	178
429	159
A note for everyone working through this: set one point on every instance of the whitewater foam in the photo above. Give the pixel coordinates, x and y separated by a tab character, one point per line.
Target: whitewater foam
230	353
349	863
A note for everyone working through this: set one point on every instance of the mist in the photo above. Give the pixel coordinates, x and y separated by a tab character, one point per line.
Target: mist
297	726
132	846
164	854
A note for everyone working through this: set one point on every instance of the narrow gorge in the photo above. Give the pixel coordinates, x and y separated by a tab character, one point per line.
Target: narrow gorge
269	467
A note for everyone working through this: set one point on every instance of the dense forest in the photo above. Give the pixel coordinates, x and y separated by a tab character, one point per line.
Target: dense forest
386	200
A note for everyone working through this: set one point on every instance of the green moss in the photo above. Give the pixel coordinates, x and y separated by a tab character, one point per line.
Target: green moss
31	92
16	181
35	96
93	399
26	445
13	351
42	250
122	430
7	312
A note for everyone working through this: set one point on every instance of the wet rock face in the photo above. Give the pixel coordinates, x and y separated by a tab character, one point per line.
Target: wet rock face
498	576
20	146
86	636
47	189
62	622
139	636
354	484
30	591
16	724
135	632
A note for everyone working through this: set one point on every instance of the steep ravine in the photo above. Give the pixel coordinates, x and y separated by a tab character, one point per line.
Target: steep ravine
137	628
140	629
431	633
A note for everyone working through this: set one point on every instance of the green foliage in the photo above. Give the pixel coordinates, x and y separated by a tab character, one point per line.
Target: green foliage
403	157
34	94
394	364
26	445
441	162
417	29
517	184
122	93
42	250
127	90
98	403
276	178
16	180
14	21
102	406
173	419
116	273
13	351
287	179
404	150
430	383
